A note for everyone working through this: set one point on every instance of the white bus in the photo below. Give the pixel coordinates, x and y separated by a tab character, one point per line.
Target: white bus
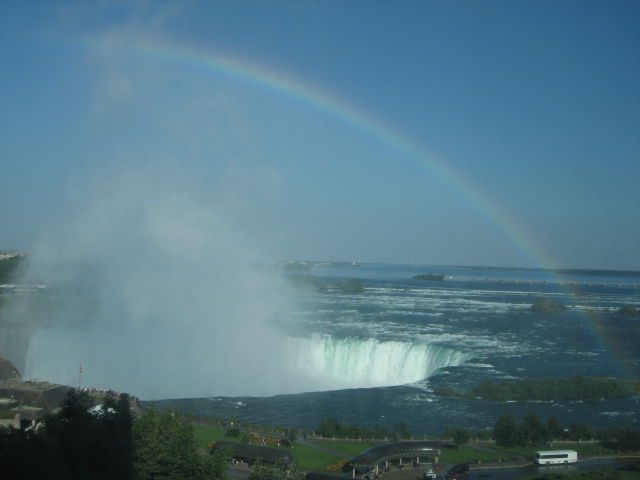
552	457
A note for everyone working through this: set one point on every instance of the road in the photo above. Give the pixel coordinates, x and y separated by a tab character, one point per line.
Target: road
492	471
513	472
239	473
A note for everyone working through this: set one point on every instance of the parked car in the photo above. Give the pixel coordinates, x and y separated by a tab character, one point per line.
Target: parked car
457	471
430	474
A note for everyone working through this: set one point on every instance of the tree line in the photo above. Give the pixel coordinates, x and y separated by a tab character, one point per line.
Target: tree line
307	282
533	431
82	441
507	432
429	276
318	285
331	428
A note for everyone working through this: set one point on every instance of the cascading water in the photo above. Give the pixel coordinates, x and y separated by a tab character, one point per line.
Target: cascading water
312	364
334	364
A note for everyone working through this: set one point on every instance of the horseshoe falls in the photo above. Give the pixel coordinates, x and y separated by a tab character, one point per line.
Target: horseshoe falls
330	363
365	359
317	363
374	358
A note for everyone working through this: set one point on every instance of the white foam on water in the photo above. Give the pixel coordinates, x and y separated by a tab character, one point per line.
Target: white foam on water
330	363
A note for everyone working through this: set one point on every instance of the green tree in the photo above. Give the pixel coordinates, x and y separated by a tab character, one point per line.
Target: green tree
262	471
380	432
532	430
505	430
429	276
307	282
625	439
330	428
352	285
24	454
555	428
218	464
461	436
291	434
86	442
401	431
581	431
232	432
166	448
104	442
577	387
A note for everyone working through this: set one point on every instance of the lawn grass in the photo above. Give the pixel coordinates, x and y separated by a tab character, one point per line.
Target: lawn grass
206	435
306	458
311	459
353	449
450	454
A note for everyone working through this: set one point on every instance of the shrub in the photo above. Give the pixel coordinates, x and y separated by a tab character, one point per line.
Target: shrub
352	285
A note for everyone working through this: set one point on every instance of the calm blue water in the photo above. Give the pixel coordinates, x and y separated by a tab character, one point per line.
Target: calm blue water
458	333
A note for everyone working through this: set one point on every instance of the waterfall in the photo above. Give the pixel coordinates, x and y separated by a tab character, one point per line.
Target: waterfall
316	363
335	364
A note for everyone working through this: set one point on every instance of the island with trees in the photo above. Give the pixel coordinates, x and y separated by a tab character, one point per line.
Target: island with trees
310	283
351	285
546	305
307	282
429	276
546	389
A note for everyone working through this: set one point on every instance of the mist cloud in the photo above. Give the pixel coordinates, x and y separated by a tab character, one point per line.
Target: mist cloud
158	294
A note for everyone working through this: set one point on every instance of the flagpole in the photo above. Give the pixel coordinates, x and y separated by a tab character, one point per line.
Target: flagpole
80	377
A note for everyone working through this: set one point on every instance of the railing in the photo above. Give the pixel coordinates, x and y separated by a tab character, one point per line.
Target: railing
426	438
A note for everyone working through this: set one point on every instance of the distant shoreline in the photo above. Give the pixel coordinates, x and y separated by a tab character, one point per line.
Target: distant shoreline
563	271
557	271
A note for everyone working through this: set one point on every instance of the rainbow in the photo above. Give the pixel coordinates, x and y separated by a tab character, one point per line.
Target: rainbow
273	82
296	91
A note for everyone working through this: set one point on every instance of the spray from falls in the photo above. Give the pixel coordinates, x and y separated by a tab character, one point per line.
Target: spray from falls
155	292
162	370
159	295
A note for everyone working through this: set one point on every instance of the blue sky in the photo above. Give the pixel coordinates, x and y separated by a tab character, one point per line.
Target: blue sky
469	133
